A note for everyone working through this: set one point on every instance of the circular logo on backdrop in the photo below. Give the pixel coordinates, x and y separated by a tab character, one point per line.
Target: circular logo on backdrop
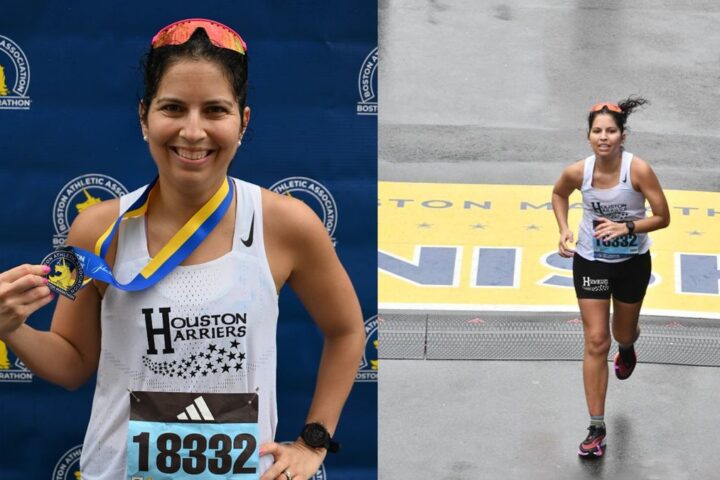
368	371
367	85
14	76
77	195
315	195
68	467
12	369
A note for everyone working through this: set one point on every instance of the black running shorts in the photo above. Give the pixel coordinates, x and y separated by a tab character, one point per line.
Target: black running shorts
625	281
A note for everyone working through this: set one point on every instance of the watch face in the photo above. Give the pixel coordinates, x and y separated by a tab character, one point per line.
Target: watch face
315	435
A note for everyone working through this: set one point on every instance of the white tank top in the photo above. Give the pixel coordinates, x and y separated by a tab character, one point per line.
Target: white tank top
619	203
228	306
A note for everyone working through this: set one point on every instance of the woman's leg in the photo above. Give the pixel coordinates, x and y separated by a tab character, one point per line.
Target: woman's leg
596	327
626	332
625	327
628	290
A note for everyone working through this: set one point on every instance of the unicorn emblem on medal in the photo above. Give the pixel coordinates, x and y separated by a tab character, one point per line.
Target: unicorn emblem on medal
66	273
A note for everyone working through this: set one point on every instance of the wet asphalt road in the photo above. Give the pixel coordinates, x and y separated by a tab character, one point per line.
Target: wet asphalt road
497	92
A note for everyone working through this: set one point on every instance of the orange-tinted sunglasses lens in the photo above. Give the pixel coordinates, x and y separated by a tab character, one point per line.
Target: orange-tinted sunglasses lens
219	34
610	106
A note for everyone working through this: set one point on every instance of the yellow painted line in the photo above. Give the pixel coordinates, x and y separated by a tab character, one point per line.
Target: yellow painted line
437	242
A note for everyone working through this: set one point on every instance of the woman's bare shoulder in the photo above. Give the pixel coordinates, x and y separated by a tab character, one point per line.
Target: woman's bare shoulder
639	164
92	222
572	176
288	218
576	169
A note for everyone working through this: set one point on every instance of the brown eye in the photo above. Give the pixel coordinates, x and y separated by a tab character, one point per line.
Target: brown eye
171	107
217	109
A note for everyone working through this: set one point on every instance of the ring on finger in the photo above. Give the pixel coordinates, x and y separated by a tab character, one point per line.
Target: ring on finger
287	474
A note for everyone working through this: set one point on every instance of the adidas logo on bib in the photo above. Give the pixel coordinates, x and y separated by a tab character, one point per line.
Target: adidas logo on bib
196	411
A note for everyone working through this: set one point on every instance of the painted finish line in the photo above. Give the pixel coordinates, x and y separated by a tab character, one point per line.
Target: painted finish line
494	247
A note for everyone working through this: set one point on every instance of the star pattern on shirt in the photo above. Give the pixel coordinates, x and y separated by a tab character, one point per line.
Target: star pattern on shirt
211	361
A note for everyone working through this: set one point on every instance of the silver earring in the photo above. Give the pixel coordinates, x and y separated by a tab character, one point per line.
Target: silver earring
239	142
145	137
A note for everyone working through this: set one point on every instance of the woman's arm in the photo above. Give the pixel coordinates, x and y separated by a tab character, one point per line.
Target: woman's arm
648	184
569	181
326	291
68	353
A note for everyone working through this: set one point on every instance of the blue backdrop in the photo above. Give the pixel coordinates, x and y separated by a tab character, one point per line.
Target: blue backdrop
69	85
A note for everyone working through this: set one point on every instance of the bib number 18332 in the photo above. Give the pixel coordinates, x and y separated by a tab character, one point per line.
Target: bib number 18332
194	444
619	247
195	453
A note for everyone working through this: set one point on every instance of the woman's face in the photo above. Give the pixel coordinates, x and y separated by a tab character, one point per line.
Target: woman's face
194	124
605	137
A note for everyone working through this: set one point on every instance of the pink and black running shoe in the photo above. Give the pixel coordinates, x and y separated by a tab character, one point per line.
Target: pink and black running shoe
594	444
624	370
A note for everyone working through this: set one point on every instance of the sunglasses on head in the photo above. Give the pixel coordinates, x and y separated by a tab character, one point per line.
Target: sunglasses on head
180	32
613	107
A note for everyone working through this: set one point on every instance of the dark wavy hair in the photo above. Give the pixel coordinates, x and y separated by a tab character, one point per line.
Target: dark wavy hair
627	106
198	47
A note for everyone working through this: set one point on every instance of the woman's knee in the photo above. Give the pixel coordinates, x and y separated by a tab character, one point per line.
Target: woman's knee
597	343
626	336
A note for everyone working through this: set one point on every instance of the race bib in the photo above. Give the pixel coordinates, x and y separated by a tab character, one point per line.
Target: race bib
620	247
193	436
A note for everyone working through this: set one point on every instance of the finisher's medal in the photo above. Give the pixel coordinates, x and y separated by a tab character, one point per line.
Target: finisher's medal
193	435
66	272
69	264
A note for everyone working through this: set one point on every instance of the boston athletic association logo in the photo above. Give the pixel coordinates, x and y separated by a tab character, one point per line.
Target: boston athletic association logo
12	369
77	195
14	76
315	195
68	467
66	273
367	85
368	371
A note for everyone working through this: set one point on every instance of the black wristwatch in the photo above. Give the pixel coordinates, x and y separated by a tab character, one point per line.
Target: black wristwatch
317	436
631	227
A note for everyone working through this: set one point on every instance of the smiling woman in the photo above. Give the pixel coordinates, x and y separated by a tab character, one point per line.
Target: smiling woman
209	248
194	125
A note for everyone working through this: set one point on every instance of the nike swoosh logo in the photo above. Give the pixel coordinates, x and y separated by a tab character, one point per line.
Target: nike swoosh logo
249	240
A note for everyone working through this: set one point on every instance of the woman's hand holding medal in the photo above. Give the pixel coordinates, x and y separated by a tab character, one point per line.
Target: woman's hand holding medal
23	290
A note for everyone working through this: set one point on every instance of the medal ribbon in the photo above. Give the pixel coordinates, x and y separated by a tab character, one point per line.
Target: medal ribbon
171	255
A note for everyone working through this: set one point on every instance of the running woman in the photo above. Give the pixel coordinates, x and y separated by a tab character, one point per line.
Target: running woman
611	260
208	326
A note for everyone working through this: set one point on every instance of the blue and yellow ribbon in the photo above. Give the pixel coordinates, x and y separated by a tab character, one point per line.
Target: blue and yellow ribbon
182	244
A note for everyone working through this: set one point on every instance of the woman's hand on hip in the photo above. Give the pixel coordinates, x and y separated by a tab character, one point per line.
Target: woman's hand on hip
300	461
